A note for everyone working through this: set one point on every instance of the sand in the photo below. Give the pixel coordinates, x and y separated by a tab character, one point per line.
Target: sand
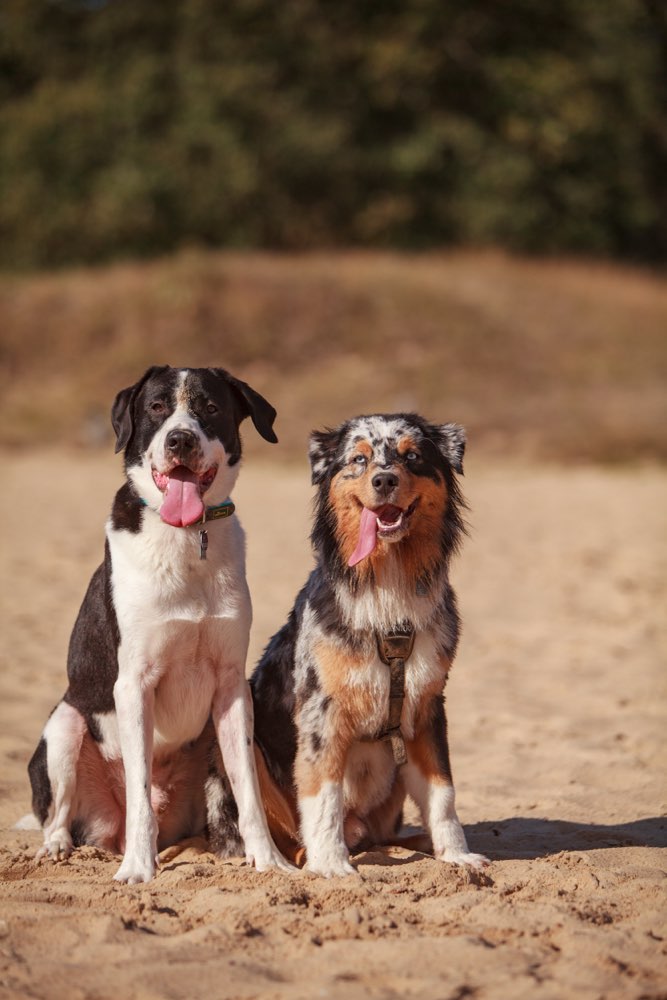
557	721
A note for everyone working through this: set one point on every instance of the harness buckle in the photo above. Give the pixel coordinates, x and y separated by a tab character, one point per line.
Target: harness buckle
396	645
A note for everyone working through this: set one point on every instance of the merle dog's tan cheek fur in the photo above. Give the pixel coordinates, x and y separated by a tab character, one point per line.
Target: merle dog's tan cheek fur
422	548
344	501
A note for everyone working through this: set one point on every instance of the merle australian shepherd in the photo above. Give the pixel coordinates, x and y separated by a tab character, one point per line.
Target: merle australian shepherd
348	696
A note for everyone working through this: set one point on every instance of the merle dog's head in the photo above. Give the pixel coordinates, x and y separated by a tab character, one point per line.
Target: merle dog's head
387	480
179	428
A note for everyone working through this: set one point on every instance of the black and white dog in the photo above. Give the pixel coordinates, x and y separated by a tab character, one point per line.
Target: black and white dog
157	656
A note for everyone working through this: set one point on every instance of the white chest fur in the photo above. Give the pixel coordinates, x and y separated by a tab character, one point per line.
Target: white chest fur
183	621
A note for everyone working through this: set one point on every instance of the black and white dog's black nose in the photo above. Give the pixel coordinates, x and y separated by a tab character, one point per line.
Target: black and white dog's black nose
181	443
384	483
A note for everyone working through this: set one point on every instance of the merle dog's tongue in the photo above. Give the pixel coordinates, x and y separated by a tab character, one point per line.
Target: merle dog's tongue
368	529
182	504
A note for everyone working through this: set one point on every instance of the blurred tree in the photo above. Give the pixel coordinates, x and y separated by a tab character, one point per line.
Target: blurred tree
130	127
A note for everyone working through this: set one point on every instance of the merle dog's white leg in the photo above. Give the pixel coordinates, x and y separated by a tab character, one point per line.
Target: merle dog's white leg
323	831
63	734
436	800
134	710
233	720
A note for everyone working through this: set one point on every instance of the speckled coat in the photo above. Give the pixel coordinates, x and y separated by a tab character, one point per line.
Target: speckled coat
321	689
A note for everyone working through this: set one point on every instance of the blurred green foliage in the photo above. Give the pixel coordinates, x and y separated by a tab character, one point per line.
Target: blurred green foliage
131	127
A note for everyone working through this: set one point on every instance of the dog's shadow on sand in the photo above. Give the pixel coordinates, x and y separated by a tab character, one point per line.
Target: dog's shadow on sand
523	838
526	838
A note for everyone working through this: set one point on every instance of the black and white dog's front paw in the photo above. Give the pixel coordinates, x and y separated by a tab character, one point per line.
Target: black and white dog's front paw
57	845
137	868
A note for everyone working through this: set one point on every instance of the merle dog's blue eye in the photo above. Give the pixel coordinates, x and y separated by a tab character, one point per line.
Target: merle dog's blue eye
359	459
412	456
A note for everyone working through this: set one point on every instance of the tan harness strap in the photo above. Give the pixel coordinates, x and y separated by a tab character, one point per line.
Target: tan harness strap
394	649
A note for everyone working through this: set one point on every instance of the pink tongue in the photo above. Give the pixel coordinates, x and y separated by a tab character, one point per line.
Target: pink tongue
368	529
182	504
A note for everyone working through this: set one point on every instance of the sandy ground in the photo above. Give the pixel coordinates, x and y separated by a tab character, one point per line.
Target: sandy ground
557	722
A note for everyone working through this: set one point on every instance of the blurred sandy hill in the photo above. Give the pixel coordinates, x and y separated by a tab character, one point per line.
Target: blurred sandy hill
539	359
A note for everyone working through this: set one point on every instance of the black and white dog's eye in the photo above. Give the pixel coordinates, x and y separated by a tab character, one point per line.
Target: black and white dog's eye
157	407
211	408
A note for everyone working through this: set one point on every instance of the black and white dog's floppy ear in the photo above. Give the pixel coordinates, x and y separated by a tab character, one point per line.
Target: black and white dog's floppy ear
122	411
254	406
451	442
322	448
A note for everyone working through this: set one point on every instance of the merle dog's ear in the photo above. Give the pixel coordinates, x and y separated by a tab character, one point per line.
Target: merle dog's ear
322	448
451	442
254	406
122	411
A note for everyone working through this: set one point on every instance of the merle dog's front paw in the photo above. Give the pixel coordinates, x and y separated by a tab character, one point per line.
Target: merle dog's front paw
464	858
330	865
268	857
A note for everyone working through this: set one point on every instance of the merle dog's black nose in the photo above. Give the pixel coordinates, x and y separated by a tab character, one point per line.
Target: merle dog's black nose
384	482
181	443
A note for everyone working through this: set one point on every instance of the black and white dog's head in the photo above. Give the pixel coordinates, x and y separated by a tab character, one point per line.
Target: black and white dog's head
179	428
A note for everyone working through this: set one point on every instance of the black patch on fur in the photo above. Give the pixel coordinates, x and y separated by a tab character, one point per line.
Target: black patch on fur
450	613
142	408
436	731
322	599
311	686
42	796
272	686
78	833
94	729
127	510
222	826
232	397
92	660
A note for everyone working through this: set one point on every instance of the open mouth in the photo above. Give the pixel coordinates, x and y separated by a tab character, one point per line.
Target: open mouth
181	473
183	490
391	518
386	521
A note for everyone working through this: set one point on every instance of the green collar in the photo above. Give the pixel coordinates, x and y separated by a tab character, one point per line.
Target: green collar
218	510
224	509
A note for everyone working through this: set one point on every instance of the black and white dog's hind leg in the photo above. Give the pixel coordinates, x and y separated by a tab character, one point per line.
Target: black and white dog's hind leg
53	777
